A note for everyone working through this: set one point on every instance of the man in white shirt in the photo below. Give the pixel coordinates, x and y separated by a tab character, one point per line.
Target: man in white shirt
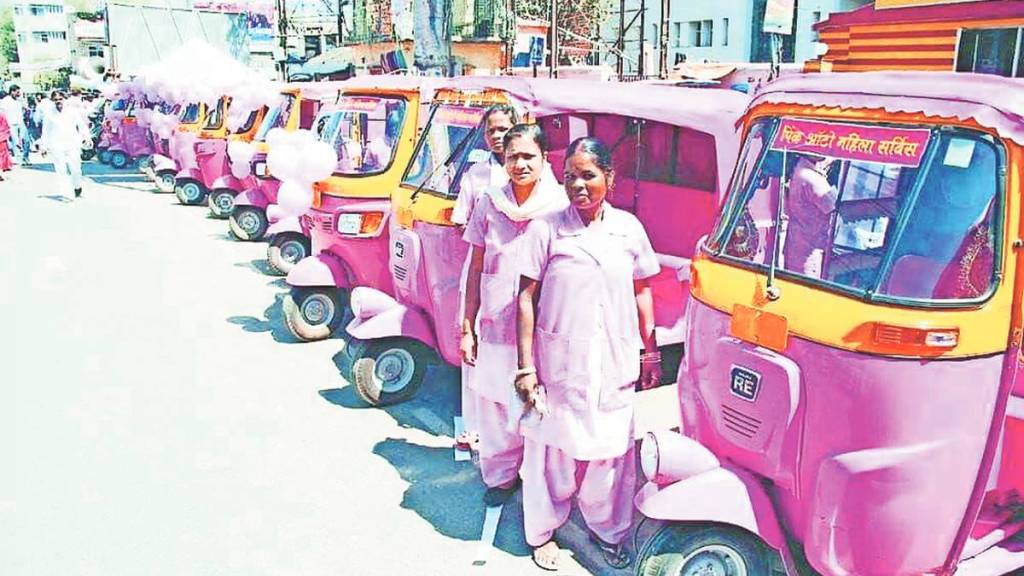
64	133
498	120
14	111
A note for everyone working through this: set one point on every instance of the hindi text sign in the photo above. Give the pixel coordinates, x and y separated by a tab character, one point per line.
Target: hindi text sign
899	146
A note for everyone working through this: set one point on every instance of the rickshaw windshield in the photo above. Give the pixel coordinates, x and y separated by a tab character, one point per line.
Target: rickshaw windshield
365	133
276	117
190	115
449	140
216	117
119	105
905	215
249	121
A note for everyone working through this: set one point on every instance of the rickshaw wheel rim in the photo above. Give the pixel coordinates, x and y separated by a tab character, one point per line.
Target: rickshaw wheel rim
713	560
317	309
292	251
394	369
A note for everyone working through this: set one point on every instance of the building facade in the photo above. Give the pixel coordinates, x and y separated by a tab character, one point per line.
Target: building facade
708	31
41	32
984	36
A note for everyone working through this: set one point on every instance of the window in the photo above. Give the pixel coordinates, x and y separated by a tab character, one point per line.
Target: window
725	31
42	37
677	34
991	51
17	10
95	51
816	16
896	224
364	132
450	141
42	9
700	33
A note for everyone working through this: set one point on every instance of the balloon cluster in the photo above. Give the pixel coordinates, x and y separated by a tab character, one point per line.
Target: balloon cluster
163	125
297	159
240	158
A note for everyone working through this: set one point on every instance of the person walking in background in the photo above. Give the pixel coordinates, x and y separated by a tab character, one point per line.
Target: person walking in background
5	149
64	133
14	110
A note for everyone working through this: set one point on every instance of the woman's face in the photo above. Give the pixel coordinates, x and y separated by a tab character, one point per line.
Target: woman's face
523	161
586	184
498	123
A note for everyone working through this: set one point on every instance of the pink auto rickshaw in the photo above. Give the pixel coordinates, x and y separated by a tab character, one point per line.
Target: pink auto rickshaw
669	159
191	183
373	127
851	396
113	117
165	168
129	142
248	220
224	186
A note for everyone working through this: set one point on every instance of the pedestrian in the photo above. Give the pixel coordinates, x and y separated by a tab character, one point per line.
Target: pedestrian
488	340
490	173
15	111
585	311
5	150
63	137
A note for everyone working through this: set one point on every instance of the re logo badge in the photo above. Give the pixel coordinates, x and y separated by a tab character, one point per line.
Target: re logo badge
399	249
744	383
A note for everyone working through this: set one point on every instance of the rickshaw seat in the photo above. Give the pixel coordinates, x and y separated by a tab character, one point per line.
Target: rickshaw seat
913	276
556	158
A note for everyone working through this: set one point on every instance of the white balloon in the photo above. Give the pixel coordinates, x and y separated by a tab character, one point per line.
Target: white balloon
240	170
294	199
277	137
275	213
318	161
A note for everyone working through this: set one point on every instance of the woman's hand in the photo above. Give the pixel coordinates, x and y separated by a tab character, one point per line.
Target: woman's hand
467	348
650	374
526	386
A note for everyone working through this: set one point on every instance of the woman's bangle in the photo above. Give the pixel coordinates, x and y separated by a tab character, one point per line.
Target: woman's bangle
650	357
526	371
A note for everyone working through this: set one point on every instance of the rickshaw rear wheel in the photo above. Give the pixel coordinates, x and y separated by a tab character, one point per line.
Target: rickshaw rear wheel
695	550
313	313
165	181
190	193
285	251
248	223
118	159
221	202
390	370
103	155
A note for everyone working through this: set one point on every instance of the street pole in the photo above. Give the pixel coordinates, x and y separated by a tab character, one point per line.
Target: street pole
643	26
553	71
282	30
663	41
620	66
341	22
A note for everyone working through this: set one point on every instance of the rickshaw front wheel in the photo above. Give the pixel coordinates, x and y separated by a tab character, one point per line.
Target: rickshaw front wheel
221	202
390	370
165	181
118	159
705	550
313	313
285	251
190	193
248	223
104	155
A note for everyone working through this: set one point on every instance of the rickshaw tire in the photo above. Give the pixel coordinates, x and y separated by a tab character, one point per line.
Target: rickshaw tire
666	552
364	369
160	178
239	233
103	155
297	324
211	201
119	160
277	262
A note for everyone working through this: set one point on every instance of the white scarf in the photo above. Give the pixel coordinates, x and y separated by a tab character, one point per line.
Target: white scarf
548	196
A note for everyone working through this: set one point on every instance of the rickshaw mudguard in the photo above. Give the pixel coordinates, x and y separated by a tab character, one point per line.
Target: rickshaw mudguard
290	224
189	174
378	315
252	197
163	163
723	495
227	182
324	269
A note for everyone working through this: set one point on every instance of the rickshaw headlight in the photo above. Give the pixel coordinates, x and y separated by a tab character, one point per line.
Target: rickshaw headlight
260	169
667	457
359	223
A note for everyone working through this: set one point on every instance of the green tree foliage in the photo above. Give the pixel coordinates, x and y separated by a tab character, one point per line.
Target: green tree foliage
579	22
59	79
8	42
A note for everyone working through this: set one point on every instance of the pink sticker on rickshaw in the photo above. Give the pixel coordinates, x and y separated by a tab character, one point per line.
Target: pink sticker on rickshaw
358	104
899	146
459	116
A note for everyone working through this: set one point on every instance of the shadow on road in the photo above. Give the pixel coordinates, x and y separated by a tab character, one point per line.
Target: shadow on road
272	321
259	265
449	494
59	198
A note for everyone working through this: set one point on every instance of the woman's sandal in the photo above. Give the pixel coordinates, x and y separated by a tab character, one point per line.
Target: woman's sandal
553	561
467	440
615	555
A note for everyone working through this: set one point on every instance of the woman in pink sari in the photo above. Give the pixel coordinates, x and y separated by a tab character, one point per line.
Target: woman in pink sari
5	151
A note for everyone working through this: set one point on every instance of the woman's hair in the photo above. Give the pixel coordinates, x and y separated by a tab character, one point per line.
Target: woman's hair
531	131
596	149
506	109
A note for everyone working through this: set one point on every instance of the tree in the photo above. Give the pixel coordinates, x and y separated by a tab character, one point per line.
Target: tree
59	79
8	41
578	24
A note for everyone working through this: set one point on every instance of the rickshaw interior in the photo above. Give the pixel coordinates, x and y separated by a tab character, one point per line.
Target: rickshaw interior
922	231
250	121
191	113
215	116
277	116
364	131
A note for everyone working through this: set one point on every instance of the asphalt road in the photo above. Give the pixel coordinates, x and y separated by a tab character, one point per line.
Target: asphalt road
158	419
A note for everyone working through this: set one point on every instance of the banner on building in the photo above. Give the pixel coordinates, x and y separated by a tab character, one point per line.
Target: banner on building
778	17
260	19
